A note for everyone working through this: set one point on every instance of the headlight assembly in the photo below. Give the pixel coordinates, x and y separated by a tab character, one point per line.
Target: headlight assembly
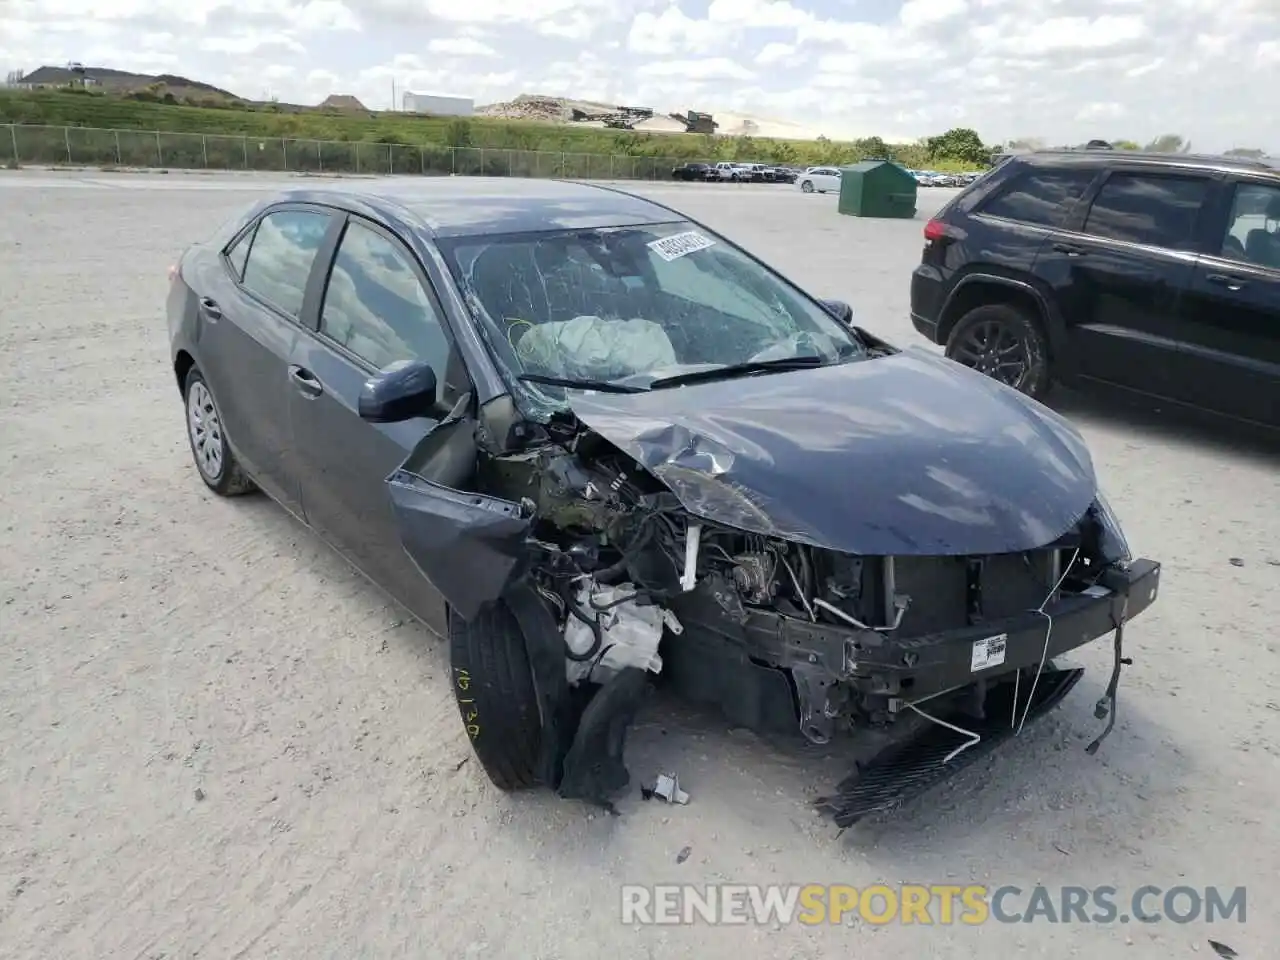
1113	543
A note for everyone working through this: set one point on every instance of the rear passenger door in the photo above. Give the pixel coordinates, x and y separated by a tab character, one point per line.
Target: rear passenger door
249	325
1229	316
1118	269
1024	213
378	308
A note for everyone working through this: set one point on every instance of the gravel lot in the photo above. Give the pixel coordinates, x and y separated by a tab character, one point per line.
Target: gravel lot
219	741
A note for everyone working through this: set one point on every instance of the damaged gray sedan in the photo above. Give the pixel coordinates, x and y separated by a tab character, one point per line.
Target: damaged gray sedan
599	446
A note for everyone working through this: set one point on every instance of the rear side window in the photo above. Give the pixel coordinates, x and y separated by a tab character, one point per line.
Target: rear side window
1141	208
279	262
1040	197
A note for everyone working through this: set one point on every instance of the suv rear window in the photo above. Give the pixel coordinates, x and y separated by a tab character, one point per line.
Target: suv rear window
1040	197
1144	208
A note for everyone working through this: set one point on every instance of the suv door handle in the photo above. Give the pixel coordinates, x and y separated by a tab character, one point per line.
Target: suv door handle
210	308
305	381
1070	249
1231	283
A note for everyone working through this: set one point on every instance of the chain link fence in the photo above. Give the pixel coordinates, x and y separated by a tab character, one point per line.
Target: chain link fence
88	146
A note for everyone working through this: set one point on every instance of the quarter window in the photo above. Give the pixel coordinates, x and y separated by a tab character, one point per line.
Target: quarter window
1139	208
279	262
376	307
1253	230
1041	197
238	253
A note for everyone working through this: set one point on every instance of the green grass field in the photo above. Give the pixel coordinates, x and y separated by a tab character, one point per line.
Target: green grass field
138	112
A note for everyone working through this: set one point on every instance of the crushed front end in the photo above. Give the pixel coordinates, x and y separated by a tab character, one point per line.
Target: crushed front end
617	582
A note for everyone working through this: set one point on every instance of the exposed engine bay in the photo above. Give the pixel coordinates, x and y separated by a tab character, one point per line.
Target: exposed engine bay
624	564
614	579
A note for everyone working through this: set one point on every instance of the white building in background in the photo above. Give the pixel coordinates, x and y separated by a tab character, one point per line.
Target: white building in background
438	104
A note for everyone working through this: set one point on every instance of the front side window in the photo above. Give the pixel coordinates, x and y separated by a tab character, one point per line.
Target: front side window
1040	197
1253	229
633	305
280	258
376	307
1143	208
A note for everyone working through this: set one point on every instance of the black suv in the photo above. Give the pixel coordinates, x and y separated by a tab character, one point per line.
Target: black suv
1154	272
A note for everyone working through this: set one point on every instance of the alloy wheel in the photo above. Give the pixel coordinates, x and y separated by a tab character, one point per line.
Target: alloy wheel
205	429
996	350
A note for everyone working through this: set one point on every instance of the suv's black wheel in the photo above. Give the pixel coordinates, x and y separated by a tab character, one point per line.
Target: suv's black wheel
214	460
1005	343
493	684
807	186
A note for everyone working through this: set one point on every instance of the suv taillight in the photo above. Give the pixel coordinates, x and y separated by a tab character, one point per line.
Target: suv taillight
934	230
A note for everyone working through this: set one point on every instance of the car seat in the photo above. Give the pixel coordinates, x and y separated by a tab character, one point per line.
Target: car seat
1262	245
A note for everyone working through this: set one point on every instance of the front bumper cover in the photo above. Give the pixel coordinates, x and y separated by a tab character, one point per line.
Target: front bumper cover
929	665
885	671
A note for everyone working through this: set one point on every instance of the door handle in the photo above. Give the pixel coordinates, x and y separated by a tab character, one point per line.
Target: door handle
210	308
305	381
1070	249
1223	280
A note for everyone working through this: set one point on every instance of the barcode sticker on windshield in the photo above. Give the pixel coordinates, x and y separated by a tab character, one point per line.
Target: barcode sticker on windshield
680	245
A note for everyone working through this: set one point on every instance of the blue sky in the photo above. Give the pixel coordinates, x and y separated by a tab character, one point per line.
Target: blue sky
1062	70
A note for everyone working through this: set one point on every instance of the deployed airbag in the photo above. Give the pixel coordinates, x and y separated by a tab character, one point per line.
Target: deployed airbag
592	348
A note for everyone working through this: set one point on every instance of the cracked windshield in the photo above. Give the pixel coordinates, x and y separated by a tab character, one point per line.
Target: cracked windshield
635	305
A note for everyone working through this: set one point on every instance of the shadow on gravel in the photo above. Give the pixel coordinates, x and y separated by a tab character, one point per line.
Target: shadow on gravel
1164	422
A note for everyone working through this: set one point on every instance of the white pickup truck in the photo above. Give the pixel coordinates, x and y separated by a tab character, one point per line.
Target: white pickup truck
729	171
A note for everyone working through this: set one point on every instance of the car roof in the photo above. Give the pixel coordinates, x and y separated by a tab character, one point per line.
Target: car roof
447	207
1187	161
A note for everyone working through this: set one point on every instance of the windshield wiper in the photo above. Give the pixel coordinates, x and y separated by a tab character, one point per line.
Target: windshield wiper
738	370
602	386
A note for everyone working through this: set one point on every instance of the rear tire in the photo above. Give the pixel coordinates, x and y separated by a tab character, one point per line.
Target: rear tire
214	461
493	685
996	323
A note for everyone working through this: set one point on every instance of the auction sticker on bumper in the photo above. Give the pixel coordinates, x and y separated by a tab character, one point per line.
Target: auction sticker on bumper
988	652
680	245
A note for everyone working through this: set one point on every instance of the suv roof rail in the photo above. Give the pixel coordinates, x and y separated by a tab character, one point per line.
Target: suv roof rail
1215	159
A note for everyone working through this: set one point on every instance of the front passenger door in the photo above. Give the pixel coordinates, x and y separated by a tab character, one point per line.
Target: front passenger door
377	309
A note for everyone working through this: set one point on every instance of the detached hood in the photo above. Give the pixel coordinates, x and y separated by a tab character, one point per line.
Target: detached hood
910	454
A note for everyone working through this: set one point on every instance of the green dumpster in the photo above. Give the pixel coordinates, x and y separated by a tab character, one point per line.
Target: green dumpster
877	188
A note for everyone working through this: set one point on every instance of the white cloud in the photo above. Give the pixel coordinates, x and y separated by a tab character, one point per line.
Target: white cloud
671	31
1062	70
715	68
775	53
460	47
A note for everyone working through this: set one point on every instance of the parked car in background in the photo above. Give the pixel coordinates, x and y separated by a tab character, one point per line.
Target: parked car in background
725	170
1155	273
785	174
819	180
692	171
437	378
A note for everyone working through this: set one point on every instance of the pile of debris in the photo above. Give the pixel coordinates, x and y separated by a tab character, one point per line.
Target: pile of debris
529	106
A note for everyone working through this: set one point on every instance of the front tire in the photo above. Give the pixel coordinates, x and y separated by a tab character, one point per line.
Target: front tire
493	685
1006	343
807	186
214	461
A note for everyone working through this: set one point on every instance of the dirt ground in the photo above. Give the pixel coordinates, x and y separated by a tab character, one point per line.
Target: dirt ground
218	741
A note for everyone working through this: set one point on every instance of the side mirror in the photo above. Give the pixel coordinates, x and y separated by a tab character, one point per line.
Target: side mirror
840	310
400	393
